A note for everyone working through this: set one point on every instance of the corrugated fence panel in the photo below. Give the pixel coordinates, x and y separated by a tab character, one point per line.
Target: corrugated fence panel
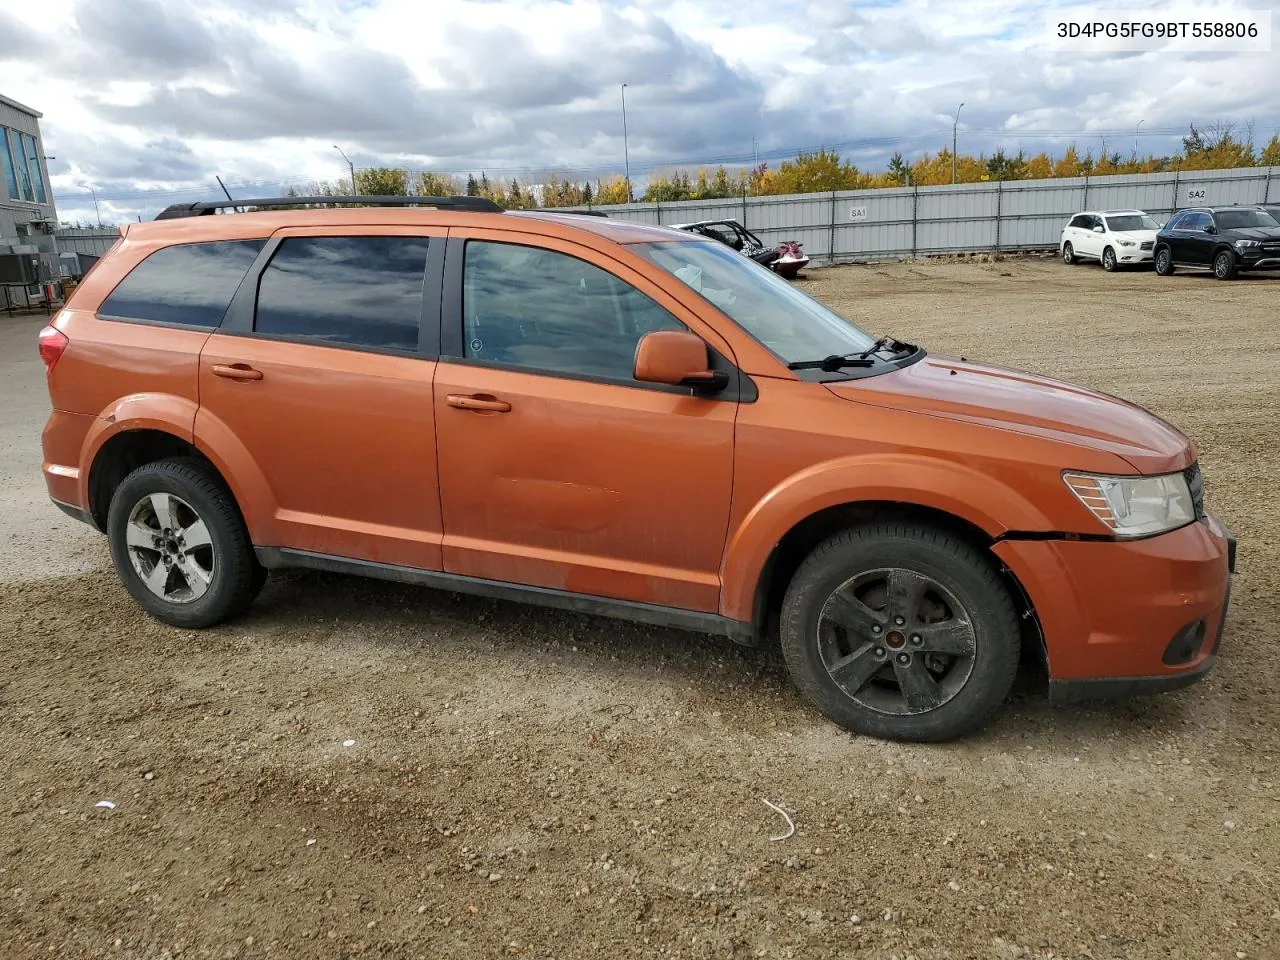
979	217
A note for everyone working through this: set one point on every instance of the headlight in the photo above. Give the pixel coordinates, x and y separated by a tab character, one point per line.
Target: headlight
1126	243
1135	506
1241	244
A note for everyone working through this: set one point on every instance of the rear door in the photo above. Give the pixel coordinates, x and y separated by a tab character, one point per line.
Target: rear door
319	385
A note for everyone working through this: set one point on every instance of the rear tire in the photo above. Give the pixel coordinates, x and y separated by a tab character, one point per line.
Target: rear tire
1164	262
180	545
1225	266
1068	254
901	631
1109	263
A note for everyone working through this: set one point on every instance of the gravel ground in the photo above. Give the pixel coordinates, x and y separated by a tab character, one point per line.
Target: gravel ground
358	768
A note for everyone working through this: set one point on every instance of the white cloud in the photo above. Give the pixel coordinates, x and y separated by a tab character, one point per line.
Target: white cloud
145	99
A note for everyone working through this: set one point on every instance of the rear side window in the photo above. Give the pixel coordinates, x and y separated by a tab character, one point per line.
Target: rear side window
348	291
188	284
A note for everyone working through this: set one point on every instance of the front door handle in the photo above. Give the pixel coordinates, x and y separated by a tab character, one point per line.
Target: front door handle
236	371
480	403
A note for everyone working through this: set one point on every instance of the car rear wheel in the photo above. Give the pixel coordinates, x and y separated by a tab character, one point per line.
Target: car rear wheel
1224	265
1109	260
180	545
1164	262
1068	254
901	631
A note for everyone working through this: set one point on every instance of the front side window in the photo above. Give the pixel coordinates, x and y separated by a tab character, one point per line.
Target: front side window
188	284
1245	219
790	323
1131	221
548	311
1196	221
1080	222
345	291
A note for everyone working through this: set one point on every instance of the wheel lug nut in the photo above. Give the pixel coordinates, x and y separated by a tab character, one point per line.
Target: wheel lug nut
879	651
915	639
876	628
899	621
904	658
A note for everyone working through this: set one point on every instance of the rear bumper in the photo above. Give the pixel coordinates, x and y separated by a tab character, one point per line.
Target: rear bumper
1111	611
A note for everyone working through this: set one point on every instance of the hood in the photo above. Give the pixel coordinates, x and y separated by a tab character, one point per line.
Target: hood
1022	402
1138	236
1252	233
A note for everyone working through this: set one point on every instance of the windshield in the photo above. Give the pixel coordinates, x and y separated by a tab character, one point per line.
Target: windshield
1235	219
790	323
1131	221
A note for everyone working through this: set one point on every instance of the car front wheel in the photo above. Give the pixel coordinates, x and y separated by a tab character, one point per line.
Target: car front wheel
1068	254
1224	265
180	545
1109	260
1164	262
901	631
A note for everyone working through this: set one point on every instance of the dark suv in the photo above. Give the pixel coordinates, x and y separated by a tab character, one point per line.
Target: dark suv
1225	240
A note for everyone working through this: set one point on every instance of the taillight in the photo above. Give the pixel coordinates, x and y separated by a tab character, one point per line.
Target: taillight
52	342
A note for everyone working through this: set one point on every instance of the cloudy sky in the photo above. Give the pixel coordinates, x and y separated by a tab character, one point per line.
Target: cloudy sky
146	100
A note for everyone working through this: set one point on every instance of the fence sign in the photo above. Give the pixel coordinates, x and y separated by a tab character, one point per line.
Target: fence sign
857	214
1194	196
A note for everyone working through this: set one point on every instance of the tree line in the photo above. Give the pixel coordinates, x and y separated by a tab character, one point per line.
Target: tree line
1215	148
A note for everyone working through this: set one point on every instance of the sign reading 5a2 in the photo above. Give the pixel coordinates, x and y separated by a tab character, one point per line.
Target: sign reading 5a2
1194	196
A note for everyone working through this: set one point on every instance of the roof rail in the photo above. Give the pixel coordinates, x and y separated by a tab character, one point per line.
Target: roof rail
206	207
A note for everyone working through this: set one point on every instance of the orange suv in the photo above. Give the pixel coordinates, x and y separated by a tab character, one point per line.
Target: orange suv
622	420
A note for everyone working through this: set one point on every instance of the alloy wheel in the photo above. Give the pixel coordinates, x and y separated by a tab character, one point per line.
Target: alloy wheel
170	548
896	641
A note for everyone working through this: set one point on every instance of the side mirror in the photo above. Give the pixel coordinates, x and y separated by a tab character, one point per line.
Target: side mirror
1098	230
1210	228
678	358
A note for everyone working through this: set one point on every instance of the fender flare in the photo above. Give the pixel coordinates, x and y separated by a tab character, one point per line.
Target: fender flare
163	412
952	488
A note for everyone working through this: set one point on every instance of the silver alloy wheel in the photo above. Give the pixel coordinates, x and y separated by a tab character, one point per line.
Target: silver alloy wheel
1222	265
1068	254
896	641
1108	259
170	548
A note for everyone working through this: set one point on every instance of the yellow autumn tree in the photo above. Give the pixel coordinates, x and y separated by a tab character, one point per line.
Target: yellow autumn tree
382	182
1270	156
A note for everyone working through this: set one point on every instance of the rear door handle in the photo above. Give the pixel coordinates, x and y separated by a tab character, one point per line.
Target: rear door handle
236	371
482	404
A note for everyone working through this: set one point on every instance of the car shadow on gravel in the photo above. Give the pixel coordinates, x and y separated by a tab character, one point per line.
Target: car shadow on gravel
717	671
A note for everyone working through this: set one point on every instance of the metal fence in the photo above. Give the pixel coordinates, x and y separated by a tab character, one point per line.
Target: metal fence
91	241
1013	215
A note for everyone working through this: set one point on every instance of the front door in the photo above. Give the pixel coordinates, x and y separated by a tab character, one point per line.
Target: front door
557	468
1195	243
322	390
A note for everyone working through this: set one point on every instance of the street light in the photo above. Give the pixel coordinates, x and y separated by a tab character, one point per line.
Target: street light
352	167
954	127
626	154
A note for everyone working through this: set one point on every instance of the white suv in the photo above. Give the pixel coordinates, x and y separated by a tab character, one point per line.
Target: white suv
1113	237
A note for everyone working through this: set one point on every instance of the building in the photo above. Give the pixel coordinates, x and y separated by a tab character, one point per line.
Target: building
27	217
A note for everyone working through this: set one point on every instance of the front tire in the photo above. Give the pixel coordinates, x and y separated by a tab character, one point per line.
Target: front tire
180	545
1068	254
1225	266
1109	263
1164	262
901	631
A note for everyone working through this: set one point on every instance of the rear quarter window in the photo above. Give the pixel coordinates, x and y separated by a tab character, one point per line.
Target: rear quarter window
188	284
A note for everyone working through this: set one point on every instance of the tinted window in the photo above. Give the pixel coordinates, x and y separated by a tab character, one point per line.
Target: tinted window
1237	219
1080	221
1131	221
190	283
358	291
1196	221
549	311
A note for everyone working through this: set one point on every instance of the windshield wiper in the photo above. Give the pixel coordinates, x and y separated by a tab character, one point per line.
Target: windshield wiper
832	363
898	345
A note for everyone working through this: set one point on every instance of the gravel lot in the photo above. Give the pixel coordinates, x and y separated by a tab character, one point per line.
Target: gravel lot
534	784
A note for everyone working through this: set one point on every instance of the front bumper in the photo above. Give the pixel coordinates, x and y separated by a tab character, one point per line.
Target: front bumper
1109	610
1134	255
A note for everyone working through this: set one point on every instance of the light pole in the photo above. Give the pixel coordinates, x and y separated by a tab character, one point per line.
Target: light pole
626	153
1135	138
954	128
352	167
